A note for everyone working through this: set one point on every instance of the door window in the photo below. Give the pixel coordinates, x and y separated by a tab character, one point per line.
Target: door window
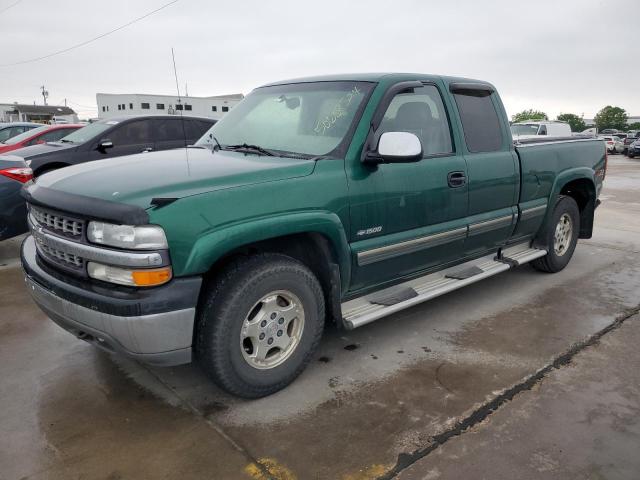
132	133
169	130
480	121
420	111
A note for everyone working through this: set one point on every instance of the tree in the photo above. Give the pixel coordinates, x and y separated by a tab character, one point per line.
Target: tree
577	123
611	117
634	126
531	114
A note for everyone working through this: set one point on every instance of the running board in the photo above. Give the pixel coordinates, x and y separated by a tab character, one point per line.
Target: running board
369	308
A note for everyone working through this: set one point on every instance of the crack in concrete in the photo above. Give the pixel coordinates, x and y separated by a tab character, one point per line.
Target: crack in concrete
484	411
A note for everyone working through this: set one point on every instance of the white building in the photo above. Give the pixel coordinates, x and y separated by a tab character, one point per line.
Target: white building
116	104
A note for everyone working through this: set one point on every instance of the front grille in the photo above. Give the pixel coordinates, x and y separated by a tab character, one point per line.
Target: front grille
67	259
58	223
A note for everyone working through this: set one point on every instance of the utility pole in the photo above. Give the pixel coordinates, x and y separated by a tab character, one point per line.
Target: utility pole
45	94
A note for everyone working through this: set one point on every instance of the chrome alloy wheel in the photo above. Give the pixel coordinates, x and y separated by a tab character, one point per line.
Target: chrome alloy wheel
563	234
272	330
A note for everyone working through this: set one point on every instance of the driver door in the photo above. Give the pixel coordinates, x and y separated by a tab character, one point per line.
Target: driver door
128	138
409	217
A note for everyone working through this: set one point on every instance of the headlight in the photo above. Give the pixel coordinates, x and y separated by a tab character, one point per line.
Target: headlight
146	237
133	278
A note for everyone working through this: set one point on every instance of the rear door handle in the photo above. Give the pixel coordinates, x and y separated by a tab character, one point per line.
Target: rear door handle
456	179
148	149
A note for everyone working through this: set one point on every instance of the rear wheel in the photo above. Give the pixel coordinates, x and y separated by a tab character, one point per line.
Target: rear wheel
560	237
259	324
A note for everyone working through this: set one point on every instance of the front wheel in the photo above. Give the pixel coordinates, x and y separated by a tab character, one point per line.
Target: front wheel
259	324
561	236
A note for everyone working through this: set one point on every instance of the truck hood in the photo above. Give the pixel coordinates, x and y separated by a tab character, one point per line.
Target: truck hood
136	179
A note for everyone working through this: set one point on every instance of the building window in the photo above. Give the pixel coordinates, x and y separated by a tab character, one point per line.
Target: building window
131	106
160	106
178	107
225	109
144	106
119	107
214	109
104	109
187	107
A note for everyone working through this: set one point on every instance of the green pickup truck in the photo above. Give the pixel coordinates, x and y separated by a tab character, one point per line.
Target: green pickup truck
331	199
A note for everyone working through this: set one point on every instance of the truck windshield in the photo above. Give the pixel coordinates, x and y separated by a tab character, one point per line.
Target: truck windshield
306	119
524	129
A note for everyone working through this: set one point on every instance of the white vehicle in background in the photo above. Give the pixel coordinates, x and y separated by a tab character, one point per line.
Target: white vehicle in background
614	144
550	128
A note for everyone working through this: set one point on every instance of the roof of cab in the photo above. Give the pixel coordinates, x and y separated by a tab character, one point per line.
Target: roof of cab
375	78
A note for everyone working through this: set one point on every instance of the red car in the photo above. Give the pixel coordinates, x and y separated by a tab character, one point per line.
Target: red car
43	134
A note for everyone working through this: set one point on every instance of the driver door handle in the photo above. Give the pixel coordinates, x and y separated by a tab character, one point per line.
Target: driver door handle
456	179
148	149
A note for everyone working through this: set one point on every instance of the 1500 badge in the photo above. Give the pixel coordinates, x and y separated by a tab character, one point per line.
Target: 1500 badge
369	231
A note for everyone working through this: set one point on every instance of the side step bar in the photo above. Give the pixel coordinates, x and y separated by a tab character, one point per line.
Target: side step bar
369	308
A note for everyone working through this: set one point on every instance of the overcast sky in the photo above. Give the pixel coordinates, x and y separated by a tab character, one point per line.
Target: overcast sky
556	56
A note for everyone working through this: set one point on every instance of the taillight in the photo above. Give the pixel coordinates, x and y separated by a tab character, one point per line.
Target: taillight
21	174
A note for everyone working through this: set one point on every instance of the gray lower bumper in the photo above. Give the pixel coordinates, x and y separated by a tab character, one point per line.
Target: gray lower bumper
158	339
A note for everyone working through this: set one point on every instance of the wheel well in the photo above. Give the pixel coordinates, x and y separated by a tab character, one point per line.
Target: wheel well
314	250
583	192
49	166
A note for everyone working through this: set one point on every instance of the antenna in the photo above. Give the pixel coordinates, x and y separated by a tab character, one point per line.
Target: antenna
184	132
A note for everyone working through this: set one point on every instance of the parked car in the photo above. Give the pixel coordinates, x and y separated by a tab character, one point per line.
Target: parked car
13	212
614	144
628	140
38	136
634	148
115	137
522	130
9	130
341	198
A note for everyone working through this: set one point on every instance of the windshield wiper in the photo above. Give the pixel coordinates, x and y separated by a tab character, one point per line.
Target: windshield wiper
249	148
62	140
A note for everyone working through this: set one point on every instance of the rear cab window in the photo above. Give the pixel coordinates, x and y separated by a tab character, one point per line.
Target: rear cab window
480	121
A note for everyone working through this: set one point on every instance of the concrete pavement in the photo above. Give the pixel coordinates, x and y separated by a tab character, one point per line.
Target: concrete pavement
370	405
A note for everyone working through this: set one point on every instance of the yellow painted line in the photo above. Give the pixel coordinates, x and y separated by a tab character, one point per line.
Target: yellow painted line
369	473
276	471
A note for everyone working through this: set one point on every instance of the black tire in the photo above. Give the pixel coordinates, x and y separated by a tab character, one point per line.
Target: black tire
228	301
631	155
555	261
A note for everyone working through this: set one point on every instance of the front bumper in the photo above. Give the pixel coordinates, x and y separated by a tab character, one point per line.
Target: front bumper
152	325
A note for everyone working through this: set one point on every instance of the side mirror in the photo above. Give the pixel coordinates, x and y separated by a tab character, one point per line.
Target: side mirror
399	147
104	144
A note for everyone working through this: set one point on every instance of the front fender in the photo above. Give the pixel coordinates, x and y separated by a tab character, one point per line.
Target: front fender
213	245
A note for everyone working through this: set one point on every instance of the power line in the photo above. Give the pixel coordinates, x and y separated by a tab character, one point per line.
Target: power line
73	47
10	6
